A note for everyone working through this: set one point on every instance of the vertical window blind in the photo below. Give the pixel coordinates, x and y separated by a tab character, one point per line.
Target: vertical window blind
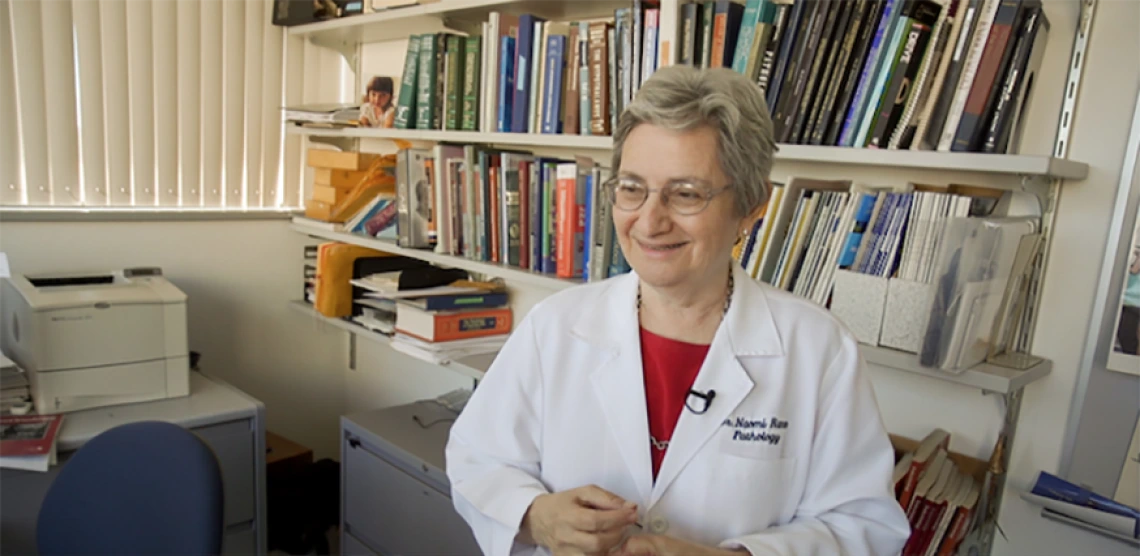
150	103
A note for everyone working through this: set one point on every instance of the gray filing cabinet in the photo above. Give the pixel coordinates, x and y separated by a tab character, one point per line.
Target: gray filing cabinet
395	497
231	422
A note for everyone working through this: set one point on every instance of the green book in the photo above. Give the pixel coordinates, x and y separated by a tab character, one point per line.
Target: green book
406	100
454	87
472	72
426	84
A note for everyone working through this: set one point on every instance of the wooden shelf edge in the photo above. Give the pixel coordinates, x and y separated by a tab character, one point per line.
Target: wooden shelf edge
306	226
1007	164
986	376
471	367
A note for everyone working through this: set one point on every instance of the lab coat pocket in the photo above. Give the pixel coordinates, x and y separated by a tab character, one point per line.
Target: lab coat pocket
771	480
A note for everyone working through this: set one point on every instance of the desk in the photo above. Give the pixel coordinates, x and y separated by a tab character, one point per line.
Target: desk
395	496
227	419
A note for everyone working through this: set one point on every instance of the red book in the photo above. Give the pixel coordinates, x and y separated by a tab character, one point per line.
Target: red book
28	435
567	219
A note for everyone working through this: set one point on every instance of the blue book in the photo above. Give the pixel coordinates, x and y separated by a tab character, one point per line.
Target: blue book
506	83
744	255
875	99
870	71
862	220
552	84
878	228
524	65
536	220
744	39
587	239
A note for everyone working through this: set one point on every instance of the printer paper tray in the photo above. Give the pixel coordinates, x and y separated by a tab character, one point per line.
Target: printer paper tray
71	390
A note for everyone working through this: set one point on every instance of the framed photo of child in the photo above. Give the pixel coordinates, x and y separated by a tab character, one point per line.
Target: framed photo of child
379	103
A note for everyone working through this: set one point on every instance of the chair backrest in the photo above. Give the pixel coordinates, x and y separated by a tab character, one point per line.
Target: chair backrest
142	488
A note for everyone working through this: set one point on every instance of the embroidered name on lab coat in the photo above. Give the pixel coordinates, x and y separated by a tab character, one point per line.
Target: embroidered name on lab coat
756	430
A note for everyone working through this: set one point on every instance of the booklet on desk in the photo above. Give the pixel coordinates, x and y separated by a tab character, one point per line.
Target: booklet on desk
28	441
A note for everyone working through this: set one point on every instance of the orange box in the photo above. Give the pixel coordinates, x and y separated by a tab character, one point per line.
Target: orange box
328	194
344	179
340	160
318	210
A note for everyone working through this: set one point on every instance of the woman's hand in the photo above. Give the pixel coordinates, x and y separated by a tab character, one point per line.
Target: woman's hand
585	520
658	545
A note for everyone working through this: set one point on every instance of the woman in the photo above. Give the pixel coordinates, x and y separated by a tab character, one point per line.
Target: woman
378	109
682	408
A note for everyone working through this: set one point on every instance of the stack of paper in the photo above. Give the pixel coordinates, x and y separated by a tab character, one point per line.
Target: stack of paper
445	352
15	396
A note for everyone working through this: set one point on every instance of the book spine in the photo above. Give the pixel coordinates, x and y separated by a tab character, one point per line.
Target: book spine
585	80
649	48
525	187
471	85
599	80
437	112
581	186
406	101
925	16
767	65
552	86
708	15
456	61
536	220
877	96
843	72
611	79
506	83
688	33
474	324
570	93
520	93
537	77
566	219
744	37
495	210
1019	64
945	90
464	302
426	83
550	218
837	12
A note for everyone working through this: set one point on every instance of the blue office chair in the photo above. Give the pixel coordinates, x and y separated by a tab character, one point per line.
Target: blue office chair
142	488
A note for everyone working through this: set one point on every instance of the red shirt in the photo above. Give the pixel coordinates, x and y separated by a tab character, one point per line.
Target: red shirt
670	367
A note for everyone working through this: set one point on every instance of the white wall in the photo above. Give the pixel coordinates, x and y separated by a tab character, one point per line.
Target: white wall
238	276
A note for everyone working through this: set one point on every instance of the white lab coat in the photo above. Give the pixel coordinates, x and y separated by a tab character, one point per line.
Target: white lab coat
790	458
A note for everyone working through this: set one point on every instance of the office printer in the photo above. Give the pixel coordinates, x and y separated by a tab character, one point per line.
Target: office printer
98	339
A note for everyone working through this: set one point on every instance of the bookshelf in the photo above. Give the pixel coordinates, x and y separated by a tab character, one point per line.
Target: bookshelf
985	377
471	367
1029	166
1041	175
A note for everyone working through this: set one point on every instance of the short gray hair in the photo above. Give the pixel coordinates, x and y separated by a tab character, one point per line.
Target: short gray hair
681	98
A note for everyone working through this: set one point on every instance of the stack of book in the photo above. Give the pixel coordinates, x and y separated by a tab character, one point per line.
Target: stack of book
15	396
939	498
437	323
353	191
542	214
525	74
950	75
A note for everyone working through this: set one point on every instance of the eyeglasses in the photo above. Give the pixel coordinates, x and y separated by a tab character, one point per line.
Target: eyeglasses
681	197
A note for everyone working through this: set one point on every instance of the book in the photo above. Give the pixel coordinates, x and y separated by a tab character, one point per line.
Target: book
28	442
443	326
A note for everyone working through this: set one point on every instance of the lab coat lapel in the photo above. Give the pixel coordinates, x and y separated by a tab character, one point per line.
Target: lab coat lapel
723	374
617	380
748	330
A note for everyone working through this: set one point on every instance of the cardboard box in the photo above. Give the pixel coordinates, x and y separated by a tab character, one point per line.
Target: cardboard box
328	194
340	160
318	210
344	179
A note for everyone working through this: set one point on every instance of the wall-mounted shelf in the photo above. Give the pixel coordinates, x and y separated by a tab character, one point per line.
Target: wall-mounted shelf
472	367
547	281
986	377
399	23
992	164
590	142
